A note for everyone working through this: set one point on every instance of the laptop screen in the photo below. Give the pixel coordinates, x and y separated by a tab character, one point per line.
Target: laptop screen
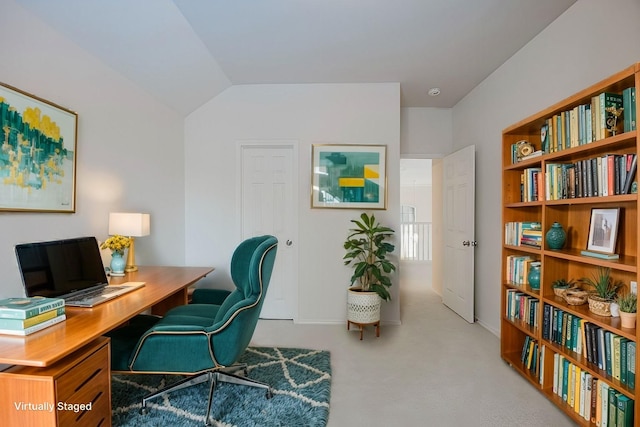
60	267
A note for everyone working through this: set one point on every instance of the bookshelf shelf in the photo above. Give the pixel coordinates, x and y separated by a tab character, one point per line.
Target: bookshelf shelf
569	342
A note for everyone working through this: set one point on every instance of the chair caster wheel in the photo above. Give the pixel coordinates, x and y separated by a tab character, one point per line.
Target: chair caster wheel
143	411
269	394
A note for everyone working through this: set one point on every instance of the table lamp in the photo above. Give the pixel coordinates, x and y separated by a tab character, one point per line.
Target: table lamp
130	225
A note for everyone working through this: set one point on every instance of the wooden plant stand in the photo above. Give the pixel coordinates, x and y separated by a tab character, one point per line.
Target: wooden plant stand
362	325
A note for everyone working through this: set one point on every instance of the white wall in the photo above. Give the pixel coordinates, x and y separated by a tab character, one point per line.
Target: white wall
129	153
590	41
308	114
426	133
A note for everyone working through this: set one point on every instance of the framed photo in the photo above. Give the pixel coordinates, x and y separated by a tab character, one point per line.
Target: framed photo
37	153
603	230
349	176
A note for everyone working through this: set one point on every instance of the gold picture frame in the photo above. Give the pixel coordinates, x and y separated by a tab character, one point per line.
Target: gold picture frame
38	143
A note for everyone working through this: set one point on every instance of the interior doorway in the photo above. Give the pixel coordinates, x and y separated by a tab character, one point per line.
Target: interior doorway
416	226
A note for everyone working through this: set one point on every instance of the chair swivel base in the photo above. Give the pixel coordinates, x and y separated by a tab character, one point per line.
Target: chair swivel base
213	377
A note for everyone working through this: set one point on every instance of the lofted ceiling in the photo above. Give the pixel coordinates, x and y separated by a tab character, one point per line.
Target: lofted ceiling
184	52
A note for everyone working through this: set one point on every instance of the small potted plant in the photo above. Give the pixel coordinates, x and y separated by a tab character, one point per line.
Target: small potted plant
367	248
628	304
560	285
604	292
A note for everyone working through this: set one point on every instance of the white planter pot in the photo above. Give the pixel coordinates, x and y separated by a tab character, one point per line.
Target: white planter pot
363	307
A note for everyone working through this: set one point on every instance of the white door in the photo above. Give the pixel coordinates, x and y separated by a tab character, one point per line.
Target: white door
269	201
459	231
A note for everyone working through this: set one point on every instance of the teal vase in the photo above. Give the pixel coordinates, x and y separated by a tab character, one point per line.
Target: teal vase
117	263
534	275
556	236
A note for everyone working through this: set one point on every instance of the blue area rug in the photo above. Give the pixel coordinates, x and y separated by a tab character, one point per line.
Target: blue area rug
301	382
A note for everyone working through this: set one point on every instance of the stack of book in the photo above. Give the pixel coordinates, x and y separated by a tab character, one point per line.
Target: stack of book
24	316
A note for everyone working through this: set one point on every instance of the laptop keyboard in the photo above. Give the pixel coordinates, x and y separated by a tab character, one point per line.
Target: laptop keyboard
103	294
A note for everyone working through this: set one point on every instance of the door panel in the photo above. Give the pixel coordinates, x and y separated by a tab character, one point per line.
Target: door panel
269	200
459	233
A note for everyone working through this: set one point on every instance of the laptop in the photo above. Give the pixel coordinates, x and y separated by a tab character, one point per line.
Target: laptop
71	269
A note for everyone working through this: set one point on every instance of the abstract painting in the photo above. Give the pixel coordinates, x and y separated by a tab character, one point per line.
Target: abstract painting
349	176
37	153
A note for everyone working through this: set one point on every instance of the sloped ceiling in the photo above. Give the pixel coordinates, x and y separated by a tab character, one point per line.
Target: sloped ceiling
185	52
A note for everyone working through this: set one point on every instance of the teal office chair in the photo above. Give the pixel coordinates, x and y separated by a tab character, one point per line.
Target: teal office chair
205	338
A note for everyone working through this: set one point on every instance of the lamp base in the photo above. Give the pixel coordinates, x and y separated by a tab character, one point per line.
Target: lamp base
131	266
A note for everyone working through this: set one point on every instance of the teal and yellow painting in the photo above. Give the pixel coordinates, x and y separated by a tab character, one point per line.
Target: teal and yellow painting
349	176
36	154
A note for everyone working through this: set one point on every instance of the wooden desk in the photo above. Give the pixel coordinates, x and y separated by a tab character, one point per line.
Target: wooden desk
165	287
68	363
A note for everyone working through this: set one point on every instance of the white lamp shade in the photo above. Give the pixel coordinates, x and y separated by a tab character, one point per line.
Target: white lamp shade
129	224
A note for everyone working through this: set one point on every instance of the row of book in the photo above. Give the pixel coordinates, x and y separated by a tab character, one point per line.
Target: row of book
607	113
591	398
530	356
524	233
606	175
610	352
531	185
518	267
521	306
24	316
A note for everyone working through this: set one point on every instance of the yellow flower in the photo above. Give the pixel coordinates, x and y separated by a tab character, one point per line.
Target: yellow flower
116	243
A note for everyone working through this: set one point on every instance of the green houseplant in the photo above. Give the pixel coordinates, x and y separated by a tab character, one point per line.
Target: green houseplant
604	292
628	304
366	251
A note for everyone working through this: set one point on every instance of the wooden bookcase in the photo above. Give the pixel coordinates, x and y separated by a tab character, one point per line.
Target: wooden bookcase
568	263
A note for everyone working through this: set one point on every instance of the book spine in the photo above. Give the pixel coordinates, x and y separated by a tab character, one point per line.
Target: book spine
36	328
631	366
31	321
11	313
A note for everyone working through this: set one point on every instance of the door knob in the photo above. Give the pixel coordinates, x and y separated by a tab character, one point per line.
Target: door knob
466	243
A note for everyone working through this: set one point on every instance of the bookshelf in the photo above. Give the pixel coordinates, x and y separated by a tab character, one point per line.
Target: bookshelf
551	187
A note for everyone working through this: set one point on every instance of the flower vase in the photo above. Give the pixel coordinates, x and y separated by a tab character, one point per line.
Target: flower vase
117	264
556	236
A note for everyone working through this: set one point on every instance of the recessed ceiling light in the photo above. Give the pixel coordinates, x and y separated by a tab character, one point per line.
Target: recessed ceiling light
434	91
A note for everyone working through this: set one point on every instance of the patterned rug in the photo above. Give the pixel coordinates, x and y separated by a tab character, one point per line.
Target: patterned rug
301	382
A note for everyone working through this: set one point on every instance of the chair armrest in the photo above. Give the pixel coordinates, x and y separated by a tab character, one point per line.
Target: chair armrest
209	296
160	329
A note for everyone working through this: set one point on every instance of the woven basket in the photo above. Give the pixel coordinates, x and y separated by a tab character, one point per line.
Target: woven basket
599	306
575	296
560	291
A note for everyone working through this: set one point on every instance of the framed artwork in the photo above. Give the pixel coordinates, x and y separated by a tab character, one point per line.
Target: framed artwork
603	230
38	153
349	176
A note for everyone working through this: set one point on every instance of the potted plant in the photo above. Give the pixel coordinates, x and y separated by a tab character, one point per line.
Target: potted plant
560	285
367	248
604	291
628	304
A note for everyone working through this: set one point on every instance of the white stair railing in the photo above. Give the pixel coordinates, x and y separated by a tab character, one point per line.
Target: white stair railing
415	240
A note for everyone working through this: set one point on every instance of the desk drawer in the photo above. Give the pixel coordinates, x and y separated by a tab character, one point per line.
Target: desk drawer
93	367
88	382
99	414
